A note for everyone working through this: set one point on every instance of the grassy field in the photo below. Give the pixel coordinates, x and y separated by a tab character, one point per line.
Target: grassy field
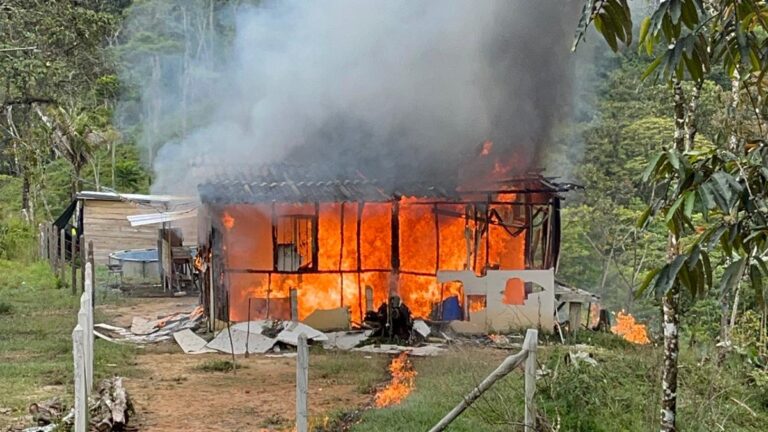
620	394
36	322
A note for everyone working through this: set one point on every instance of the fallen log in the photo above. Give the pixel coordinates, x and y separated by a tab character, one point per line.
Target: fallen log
111	407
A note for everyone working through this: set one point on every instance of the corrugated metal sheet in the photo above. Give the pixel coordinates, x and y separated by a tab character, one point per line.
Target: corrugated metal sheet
291	183
161	217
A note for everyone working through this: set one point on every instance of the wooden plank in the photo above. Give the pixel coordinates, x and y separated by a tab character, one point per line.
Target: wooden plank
574	316
302	384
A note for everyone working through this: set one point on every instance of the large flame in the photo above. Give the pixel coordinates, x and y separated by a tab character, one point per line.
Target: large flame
401	385
629	329
432	237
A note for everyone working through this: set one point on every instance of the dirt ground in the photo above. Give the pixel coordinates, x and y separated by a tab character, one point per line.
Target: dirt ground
174	396
171	392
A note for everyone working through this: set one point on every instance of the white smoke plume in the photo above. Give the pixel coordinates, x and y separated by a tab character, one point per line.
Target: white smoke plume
397	89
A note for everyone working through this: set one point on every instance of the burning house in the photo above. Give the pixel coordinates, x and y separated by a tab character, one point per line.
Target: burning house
284	241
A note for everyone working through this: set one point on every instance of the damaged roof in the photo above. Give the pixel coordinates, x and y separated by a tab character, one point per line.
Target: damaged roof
295	183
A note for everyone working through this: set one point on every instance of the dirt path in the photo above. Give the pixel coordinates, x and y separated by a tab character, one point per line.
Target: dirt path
171	392
172	395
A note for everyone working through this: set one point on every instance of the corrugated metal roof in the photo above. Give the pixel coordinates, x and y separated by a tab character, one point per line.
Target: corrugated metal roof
114	196
161	217
292	183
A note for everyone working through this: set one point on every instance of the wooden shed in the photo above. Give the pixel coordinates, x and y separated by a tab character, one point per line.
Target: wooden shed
104	220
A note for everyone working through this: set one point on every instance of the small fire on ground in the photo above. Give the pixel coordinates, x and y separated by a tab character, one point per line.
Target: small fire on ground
403	376
630	330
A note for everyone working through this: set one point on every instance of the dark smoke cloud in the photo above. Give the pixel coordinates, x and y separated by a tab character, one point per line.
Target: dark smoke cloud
399	89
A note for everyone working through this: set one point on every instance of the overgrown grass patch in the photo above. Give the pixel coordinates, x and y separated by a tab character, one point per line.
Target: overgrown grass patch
340	367
35	339
621	393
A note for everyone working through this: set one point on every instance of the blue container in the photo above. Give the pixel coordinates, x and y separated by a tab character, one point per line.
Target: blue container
451	309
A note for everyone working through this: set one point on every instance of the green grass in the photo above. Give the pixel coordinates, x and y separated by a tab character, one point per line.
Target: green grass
341	367
621	394
218	366
35	338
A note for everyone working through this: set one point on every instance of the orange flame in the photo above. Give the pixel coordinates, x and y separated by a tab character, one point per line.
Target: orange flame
228	221
403	376
630	330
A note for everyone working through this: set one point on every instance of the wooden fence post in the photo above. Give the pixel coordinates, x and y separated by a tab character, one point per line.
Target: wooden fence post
41	242
81	400
92	273
302	384
530	344
63	256
72	255
83	257
294	304
53	249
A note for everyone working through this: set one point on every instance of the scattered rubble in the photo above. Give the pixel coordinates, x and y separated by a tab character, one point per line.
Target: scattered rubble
345	341
144	331
191	343
240	342
109	410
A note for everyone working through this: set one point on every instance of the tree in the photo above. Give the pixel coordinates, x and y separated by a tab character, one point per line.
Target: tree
726	186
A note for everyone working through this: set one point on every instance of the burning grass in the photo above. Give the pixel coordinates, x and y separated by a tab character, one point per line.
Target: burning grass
401	385
629	329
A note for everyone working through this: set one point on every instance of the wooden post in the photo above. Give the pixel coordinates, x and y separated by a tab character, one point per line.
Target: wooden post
81	401
72	254
41	241
358	226
248	329
529	345
302	384
507	366
294	304
83	257
92	273
54	249
368	298
574	316
63	256
395	249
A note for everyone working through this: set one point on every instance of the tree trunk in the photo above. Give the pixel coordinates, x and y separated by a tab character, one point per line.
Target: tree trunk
670	305
691	121
671	300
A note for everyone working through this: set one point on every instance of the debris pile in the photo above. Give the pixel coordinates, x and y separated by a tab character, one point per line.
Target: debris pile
109	409
110	406
144	331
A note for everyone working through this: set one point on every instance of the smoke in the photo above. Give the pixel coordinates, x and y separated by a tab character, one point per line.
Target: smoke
400	89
